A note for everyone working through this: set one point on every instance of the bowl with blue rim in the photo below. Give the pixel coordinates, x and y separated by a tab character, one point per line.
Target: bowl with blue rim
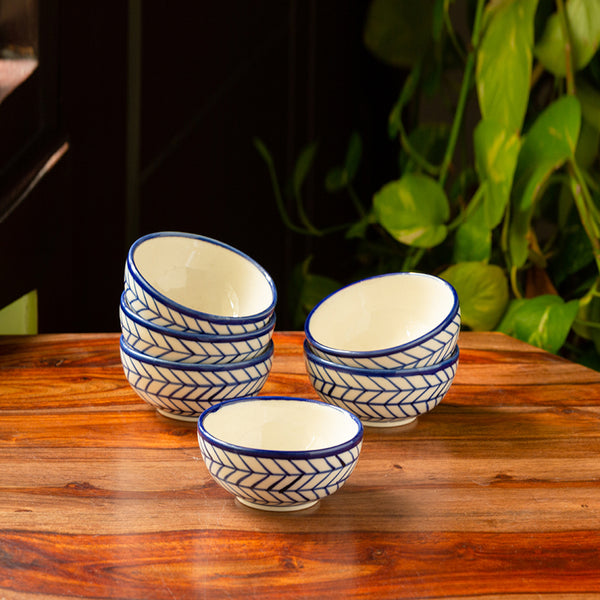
279	453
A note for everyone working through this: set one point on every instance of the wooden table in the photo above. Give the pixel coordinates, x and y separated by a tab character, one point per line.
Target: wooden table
494	494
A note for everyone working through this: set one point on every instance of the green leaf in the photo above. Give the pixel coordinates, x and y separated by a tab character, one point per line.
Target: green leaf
548	144
473	239
482	291
414	210
544	321
303	165
398	32
472	242
518	242
550	141
496	153
583	18
504	57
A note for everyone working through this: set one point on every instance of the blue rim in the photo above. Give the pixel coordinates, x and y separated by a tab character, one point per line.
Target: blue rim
196	314
289	454
384	351
159	362
193	336
387	373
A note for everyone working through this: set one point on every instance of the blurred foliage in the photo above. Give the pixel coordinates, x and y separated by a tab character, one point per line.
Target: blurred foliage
505	205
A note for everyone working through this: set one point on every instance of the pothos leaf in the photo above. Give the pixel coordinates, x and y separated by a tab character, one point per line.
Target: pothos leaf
548	144
543	321
414	210
496	153
583	21
482	291
504	57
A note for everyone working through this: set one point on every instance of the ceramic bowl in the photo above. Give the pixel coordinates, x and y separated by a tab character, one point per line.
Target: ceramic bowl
381	397
189	282
279	453
182	390
189	347
398	320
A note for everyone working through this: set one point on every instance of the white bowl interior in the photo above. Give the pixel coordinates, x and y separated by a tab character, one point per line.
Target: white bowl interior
381	312
203	276
284	425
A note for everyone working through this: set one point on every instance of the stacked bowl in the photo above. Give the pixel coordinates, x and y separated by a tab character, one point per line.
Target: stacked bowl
385	348
197	318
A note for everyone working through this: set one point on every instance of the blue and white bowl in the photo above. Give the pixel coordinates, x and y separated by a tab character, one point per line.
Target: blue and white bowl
279	453
392	321
182	390
189	347
381	397
188	282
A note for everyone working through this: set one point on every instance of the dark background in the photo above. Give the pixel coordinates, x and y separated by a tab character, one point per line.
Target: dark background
155	105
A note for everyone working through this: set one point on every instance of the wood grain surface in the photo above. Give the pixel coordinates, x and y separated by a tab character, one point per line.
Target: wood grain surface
494	494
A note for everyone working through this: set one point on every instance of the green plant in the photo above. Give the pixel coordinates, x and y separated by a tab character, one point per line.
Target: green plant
503	197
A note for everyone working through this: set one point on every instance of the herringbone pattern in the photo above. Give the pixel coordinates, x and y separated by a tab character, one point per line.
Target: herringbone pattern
380	398
278	482
180	349
429	352
186	390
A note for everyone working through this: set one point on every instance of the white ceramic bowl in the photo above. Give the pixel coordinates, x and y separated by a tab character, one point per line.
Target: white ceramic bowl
189	347
381	397
189	282
279	453
398	320
182	390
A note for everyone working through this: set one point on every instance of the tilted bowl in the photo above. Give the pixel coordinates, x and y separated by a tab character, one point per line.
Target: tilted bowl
190	282
188	346
183	390
279	453
397	320
381	397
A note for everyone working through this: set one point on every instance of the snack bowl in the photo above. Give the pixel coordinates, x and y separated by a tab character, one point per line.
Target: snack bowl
189	282
381	397
187	346
279	453
398	320
183	390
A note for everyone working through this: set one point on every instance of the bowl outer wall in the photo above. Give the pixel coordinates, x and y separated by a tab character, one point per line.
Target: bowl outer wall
192	336
386	373
167	364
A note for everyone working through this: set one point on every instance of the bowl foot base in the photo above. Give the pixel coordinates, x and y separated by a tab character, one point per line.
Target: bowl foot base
396	423
275	508
176	416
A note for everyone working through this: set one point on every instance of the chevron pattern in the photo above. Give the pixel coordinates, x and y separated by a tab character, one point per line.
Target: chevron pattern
179	349
155	311
429	352
381	398
272	482
185	390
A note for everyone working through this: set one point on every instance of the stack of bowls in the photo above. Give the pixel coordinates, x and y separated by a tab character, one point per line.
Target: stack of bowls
385	348
197	319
